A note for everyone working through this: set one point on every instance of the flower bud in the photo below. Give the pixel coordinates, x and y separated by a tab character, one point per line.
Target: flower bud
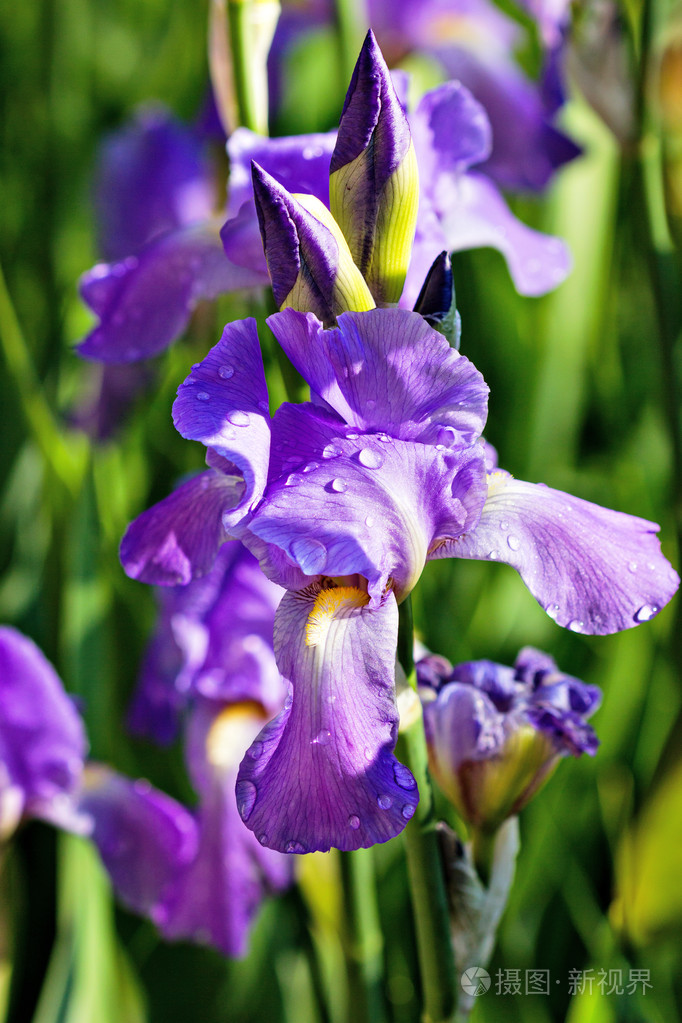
495	734
308	259
436	301
374	187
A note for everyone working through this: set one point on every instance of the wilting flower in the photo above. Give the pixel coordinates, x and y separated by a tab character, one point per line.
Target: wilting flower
198	874
495	734
42	740
343	500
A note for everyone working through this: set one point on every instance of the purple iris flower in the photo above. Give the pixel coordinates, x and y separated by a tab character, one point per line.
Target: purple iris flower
42	740
343	500
198	874
495	734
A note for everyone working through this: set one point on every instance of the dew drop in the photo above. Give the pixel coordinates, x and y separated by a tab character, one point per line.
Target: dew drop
238	418
255	750
383	437
322	738
369	521
504	525
246	793
352	436
311	467
633	566
225	372
338	486
368	754
331	451
576	625
371	458
203	395
293	480
646	612
553	611
385	801
408	811
403	776
513	543
354	821
310	554
295	847
263	839
493	555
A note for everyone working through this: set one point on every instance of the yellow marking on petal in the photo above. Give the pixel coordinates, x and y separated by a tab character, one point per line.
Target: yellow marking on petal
497	481
330	604
232	732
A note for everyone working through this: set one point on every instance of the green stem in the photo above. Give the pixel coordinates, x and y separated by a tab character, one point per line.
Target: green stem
363	940
66	460
352	22
424	864
252	24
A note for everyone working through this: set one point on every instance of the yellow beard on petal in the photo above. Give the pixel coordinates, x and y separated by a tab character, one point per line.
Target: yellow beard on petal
330	604
232	732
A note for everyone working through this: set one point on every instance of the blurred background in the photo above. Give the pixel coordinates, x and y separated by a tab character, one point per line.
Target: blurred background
584	397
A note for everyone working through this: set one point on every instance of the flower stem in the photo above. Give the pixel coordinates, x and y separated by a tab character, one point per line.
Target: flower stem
424	864
363	940
252	24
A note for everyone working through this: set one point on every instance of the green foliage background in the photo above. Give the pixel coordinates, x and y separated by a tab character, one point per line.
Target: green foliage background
583	397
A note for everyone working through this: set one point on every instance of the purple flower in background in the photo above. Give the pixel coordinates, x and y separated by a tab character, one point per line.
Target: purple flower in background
199	874
343	500
495	734
42	740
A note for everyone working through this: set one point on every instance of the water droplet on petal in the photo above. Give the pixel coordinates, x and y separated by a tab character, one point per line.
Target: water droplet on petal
646	612
238	418
322	738
338	486
633	566
383	437
408	811
310	554
255	750
295	847
225	372
263	838
369	521
246	793
368	754
552	610
504	525
352	436
576	625
403	776
513	543
311	466
385	801
371	458
354	821
493	555
203	395
293	480
331	451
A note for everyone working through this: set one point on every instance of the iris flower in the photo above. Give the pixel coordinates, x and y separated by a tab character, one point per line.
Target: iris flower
343	499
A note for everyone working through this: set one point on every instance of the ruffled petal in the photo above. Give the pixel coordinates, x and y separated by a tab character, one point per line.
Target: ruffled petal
323	773
144	837
473	214
144	303
451	131
364	504
388	370
42	739
177	539
592	569
224	404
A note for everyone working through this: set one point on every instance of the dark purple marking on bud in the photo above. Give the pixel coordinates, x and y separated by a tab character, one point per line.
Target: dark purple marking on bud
435	297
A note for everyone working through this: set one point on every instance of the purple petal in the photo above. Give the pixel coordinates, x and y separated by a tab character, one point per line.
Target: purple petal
592	569
473	214
42	740
387	370
215	899
151	178
224	404
451	131
177	539
144	303
462	724
367	504
323	773
144	837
